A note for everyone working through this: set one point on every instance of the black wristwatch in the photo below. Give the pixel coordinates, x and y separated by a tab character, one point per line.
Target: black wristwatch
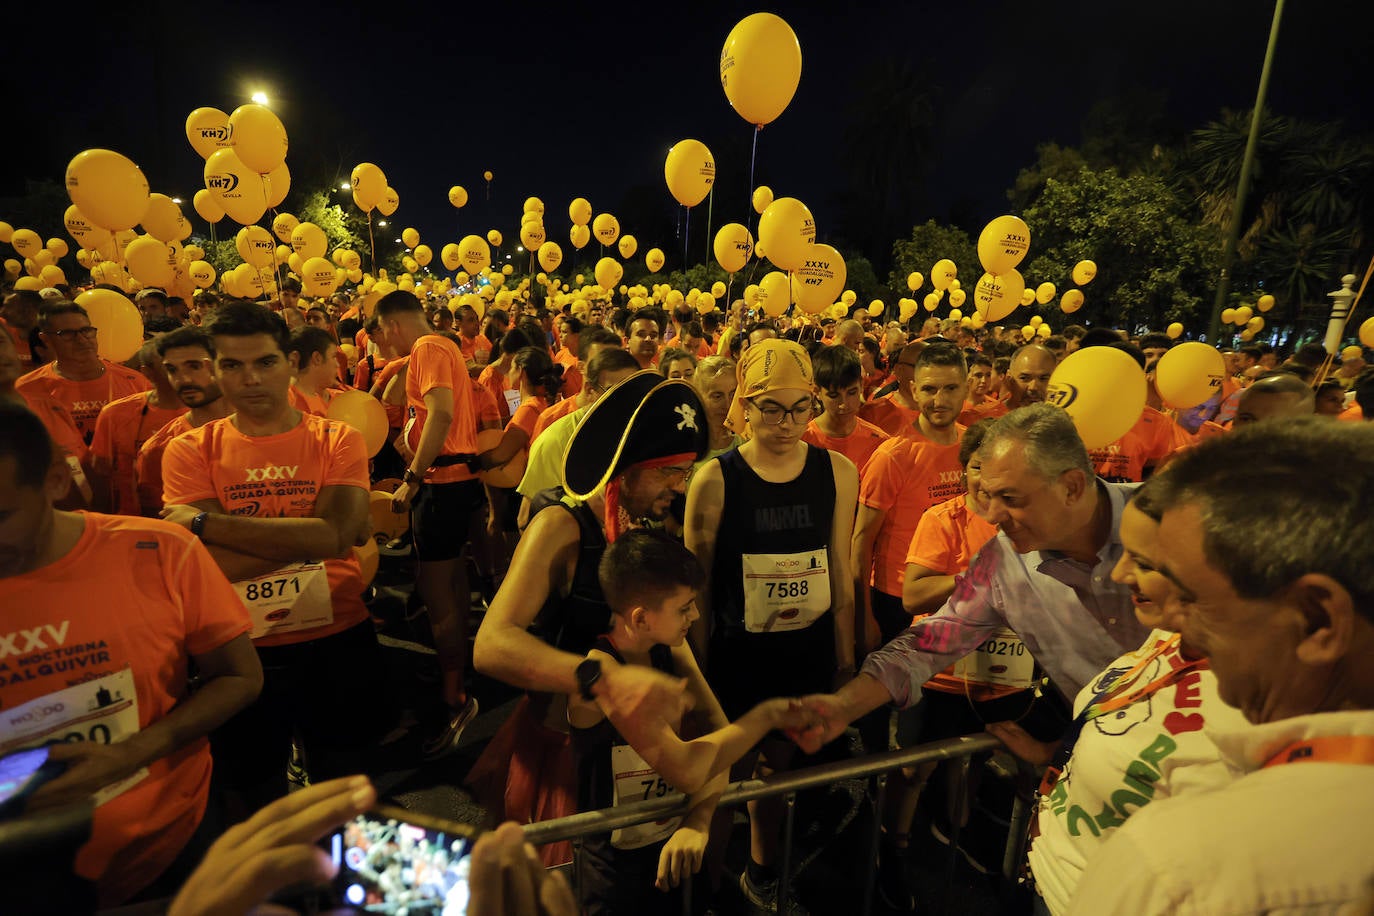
411	477
588	673
198	525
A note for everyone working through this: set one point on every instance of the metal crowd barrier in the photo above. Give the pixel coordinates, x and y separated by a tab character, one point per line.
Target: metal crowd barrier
576	826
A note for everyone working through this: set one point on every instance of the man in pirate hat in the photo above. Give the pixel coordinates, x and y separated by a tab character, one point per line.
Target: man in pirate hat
626	464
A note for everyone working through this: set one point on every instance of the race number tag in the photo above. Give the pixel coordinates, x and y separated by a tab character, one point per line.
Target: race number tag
512	401
295	597
636	781
104	710
1001	660
785	591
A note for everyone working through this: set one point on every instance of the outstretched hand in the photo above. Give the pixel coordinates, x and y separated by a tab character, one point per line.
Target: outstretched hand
828	720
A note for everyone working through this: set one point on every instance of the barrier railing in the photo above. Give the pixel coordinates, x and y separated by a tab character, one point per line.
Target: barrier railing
576	826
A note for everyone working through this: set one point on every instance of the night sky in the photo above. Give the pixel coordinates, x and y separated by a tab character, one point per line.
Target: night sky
586	99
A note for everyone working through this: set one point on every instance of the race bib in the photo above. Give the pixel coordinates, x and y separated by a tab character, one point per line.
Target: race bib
636	781
104	710
512	401
785	591
1001	660
295	597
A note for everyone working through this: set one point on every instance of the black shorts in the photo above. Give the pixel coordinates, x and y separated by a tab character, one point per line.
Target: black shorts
748	668
440	518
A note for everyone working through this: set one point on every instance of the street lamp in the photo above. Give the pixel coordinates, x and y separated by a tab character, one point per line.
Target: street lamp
382	224
345	187
260	97
176	200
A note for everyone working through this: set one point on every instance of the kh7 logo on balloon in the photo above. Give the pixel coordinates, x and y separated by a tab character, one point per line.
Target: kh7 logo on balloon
1061	394
222	183
221	135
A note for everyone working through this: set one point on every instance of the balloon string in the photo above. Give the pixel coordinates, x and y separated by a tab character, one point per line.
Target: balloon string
710	210
749	208
372	241
686	242
1331	357
276	265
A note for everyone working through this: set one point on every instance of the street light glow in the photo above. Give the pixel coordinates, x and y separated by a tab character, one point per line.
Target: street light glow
260	97
382	224
176	200
345	187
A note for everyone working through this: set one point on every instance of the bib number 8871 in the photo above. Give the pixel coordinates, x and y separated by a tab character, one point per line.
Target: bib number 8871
788	589
272	588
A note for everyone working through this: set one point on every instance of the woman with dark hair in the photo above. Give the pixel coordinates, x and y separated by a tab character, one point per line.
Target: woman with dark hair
496	376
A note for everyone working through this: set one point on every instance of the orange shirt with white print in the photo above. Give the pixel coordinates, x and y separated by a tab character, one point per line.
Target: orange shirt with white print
888	415
148	465
905	477
84	400
858	446
436	362
277	476
121	430
947	537
1149	441
58	421
97	649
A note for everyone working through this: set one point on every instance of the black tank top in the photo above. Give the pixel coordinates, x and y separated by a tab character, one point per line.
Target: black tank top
575	621
759	516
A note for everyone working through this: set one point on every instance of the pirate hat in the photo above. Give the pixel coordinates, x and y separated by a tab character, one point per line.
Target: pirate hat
644	417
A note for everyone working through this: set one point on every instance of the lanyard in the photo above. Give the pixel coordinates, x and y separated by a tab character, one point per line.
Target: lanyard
1342	749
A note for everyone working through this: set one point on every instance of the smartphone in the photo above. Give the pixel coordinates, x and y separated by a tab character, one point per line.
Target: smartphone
395	861
21	773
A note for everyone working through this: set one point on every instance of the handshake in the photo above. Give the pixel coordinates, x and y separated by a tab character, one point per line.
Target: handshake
810	721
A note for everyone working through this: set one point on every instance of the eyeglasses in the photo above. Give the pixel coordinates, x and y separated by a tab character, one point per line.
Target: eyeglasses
87	333
674	473
773	414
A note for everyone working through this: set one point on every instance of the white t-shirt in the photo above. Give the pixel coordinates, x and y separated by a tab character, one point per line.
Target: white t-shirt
1123	760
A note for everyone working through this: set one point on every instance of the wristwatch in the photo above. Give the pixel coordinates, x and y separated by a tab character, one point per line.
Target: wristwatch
588	673
410	476
198	525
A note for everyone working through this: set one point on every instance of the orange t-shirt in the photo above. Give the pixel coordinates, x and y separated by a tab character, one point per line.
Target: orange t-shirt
527	415
471	347
494	380
98	646
365	372
395	413
84	400
21	344
58	421
277	476
551	414
888	415
572	372
122	428
148	466
1352	414
858	446
1149	441
906	477
436	362
946	539
308	403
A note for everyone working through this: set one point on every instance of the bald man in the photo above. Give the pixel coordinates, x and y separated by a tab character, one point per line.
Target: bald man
1274	397
1026	381
849	334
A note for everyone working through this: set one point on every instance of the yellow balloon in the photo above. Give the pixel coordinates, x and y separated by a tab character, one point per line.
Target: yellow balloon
1189	373
494	237
627	246
277	184
35	284
450	256
283	254
1367	332
653	260
193	253
1083	272
732	246
763	196
120	325
1228	316
875	308
309	241
1045	293
1265	302
1027	332
690	171
108	188
1003	243
1042	330
1174	331
957	297
819	280
956	314
1103	389
914	281
1036	321
58	248
550	256
787	229
760	67
532	235
706	303
608	272
423	255
717	289
150	262
606	228
996	297
202	274
849	297
487	175
579	235
369	186
259	137
942	272
580	211
750	296
389	202
208	130
283	225
27	242
1071	301
207	206
51	275
1256	324
1244	314
473	254
774	293
255	245
411	237
534	205
163	219
318	278
237	189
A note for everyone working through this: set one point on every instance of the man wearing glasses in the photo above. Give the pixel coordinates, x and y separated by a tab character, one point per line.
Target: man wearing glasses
771	522
79	379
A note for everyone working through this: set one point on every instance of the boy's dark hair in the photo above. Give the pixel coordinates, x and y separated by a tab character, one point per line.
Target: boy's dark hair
836	367
978	359
291	284
306	342
1073	331
1155	341
244	319
188	336
642	568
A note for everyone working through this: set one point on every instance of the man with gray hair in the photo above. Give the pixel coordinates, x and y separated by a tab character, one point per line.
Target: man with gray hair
1047	575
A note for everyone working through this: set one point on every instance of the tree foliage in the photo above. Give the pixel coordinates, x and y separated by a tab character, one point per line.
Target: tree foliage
929	243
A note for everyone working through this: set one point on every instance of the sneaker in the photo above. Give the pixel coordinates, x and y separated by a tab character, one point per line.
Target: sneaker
296	774
894	886
765	896
444	743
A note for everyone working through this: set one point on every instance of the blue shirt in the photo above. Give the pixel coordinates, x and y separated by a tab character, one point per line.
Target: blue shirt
1072	617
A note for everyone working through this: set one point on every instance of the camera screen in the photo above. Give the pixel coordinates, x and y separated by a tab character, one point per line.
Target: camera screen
390	866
